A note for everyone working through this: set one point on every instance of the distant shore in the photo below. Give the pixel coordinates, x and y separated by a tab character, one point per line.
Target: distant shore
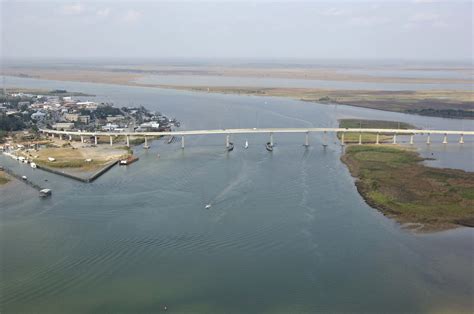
438	103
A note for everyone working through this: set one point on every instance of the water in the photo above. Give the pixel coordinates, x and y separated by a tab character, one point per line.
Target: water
232	81
287	232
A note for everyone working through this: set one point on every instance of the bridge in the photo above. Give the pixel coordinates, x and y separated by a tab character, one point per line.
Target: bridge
269	131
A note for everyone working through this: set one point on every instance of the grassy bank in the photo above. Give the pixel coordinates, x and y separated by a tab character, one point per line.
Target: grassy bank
370	138
395	181
3	178
82	159
439	103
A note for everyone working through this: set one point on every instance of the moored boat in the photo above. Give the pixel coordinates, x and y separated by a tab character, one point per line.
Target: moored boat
269	146
127	161
230	147
45	192
246	144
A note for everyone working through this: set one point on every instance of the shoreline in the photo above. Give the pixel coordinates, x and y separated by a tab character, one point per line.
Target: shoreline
411	203
454	104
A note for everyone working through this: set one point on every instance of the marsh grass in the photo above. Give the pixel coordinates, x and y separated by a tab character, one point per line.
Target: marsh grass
395	181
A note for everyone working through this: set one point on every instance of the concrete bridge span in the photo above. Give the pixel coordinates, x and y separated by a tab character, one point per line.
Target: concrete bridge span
270	131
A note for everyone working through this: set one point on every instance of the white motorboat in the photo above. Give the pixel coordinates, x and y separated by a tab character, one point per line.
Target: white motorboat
208	206
45	192
24	177
33	165
246	144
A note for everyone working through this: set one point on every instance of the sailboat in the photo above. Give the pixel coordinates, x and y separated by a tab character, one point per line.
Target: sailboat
246	144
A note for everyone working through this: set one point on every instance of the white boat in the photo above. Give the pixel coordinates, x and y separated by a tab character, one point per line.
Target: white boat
45	192
33	165
246	144
24	177
21	159
51	159
208	206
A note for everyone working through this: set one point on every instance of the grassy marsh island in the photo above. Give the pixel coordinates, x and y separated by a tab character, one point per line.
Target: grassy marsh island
370	138
437	103
395	181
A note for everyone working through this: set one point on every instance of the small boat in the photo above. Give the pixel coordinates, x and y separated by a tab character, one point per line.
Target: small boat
208	206
246	144
21	159
51	159
45	192
88	160
230	147
269	147
127	161
33	165
24	177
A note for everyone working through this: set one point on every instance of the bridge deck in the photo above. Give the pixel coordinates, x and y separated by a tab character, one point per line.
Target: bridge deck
260	131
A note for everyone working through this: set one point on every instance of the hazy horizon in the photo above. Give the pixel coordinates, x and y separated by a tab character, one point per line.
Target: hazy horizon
417	30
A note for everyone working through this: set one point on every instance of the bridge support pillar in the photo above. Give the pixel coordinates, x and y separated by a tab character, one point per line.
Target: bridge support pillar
60	137
411	139
428	139
182	142
306	139
271	139
360	138
325	139
227	141
461	140
111	141
445	139
395	138
95	140
377	139
342	139
128	140
146	143
70	138
52	135
82	139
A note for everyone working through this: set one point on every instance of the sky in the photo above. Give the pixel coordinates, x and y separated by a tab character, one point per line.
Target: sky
403	29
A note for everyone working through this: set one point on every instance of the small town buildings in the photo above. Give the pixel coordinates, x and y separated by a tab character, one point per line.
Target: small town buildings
63	126
38	116
73	117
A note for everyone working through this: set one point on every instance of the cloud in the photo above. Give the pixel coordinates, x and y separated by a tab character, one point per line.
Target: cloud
334	12
368	20
103	12
424	18
132	16
73	9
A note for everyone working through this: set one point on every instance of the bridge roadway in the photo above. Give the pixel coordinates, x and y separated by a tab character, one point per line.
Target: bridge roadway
270	131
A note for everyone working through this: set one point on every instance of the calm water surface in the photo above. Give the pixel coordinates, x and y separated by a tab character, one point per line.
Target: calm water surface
231	81
287	231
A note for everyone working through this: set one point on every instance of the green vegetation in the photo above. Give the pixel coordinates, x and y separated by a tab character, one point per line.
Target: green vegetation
439	103
3	178
370	124
44	92
395	181
11	123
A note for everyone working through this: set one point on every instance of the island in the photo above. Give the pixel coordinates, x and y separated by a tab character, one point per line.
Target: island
394	180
